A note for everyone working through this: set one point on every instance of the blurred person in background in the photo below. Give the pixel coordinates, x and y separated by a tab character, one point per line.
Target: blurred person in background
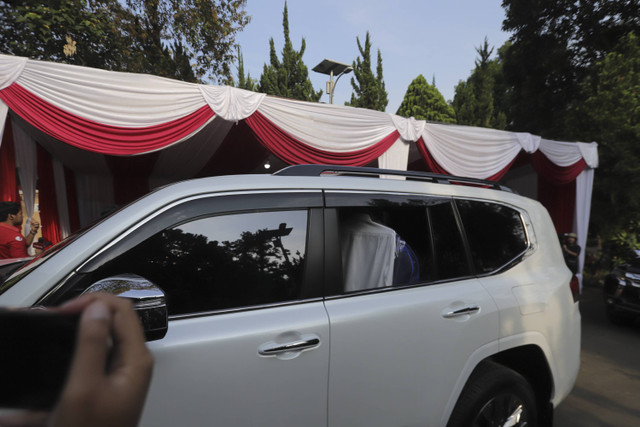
12	243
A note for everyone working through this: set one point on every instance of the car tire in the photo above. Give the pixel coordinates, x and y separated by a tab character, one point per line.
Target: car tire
492	395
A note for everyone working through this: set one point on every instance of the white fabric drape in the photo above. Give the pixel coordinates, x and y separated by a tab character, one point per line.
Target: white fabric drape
328	127
4	110
117	99
62	203
10	69
396	157
231	103
26	162
561	153
469	151
584	190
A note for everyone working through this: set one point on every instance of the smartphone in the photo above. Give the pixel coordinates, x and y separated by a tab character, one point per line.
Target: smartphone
36	350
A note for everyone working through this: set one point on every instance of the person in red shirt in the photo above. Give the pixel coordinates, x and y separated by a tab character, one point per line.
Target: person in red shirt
12	243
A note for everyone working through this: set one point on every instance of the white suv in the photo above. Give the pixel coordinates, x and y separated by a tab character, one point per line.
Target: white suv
331	296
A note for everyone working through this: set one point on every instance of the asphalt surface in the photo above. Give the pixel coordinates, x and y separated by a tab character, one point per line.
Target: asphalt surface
607	392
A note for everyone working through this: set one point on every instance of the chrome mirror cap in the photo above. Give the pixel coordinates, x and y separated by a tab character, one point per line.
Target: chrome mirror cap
148	301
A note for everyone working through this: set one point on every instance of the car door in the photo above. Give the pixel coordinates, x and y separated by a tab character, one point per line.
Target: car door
398	348
248	336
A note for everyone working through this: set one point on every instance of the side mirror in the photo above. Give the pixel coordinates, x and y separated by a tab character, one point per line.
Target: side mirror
147	298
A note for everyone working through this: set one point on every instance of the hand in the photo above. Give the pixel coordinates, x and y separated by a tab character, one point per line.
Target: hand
35	225
98	393
93	395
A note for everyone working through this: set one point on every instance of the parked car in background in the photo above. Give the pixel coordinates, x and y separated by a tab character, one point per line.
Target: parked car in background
333	296
622	290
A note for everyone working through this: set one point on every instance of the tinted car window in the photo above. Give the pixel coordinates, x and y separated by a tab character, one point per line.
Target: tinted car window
495	232
397	240
450	255
222	262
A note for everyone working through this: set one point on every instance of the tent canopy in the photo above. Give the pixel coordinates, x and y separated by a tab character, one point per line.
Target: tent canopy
90	139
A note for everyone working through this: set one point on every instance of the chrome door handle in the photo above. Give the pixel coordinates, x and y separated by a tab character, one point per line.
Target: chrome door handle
472	309
272	349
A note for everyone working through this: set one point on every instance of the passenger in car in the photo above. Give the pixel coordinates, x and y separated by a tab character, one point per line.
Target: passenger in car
368	252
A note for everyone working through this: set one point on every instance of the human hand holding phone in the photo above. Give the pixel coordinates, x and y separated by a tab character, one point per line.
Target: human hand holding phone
111	369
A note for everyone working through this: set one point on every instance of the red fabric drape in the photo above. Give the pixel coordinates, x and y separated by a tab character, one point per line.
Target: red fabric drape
556	174
97	137
560	201
240	152
295	152
47	198
8	181
130	176
557	189
433	166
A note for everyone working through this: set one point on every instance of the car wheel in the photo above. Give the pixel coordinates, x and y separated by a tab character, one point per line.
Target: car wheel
495	396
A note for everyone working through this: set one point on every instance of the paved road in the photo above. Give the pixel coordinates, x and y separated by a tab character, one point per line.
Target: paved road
607	392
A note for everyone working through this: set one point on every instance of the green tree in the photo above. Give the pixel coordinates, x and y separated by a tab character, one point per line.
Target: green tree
190	40
423	101
554	47
610	115
476	100
288	78
244	82
368	89
73	31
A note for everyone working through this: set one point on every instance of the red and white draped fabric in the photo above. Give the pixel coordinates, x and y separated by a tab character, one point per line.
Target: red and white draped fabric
121	134
566	168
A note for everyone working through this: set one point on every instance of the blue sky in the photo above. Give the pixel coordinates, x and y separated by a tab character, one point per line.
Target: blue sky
429	37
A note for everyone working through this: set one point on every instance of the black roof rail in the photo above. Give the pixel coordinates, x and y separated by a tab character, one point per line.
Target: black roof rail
318	170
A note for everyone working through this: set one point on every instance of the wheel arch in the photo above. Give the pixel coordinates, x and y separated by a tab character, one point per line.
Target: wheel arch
530	362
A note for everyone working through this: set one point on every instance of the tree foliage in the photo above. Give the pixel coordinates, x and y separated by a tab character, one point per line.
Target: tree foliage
610	115
368	89
244	82
186	39
555	45
288	78
477	102
569	78
423	101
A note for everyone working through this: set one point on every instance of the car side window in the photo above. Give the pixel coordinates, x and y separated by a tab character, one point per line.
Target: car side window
222	262
398	241
495	232
450	254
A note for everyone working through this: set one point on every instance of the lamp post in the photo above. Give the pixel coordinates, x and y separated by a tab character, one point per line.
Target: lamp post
332	68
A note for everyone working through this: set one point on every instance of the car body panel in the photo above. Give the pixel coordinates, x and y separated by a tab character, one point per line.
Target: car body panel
219	374
390	349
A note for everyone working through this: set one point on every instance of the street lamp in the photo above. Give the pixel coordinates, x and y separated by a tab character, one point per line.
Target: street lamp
332	68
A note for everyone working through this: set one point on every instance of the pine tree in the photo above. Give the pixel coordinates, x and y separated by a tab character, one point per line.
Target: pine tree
423	101
244	82
288	78
475	101
369	89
